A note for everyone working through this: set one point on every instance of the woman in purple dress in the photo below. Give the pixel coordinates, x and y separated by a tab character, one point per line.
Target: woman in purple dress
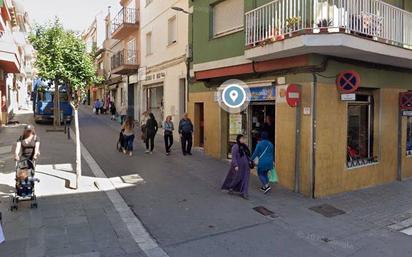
237	179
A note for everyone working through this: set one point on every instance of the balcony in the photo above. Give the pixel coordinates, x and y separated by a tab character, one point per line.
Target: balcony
367	30
125	23
125	62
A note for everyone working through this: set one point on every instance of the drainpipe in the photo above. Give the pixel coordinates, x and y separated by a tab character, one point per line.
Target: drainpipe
314	126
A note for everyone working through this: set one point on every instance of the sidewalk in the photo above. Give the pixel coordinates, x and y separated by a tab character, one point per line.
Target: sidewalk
67	223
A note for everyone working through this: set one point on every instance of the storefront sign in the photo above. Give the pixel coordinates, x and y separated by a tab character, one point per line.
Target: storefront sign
155	76
267	93
407	113
405	101
293	95
141	73
133	79
348	97
348	81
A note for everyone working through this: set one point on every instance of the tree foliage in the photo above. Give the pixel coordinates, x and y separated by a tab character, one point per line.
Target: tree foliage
62	57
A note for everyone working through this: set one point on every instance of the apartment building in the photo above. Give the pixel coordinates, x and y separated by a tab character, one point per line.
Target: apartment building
163	72
348	63
16	58
124	44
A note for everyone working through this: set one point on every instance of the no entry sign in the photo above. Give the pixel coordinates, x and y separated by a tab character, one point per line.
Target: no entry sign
405	101
348	81
293	95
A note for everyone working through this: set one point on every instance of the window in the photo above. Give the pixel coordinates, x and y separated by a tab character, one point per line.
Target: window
226	18
149	43
409	137
131	52
172	30
360	131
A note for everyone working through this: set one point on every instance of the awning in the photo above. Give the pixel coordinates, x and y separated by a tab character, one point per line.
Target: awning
9	62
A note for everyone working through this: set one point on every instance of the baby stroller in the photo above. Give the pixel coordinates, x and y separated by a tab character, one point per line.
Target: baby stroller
25	182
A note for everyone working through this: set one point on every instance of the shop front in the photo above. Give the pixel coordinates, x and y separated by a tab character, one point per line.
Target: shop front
343	137
257	118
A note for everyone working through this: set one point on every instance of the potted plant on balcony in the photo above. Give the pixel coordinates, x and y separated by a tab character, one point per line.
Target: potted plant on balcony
292	24
324	25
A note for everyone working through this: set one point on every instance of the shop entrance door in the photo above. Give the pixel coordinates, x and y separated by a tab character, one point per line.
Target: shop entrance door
199	125
262	117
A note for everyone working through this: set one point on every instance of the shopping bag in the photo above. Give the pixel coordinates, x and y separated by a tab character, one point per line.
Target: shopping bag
273	176
94	110
1	235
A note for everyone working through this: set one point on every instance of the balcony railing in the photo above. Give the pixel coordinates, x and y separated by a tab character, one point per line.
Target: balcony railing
125	16
124	57
372	19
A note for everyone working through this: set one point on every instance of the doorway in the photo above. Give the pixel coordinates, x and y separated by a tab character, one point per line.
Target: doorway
199	125
262	119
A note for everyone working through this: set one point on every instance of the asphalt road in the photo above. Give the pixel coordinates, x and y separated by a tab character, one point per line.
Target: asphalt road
181	205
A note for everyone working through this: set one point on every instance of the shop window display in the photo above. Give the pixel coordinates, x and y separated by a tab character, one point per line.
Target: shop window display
360	133
409	137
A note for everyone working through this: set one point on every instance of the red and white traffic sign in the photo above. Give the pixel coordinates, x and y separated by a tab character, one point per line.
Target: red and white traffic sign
405	101
293	95
348	81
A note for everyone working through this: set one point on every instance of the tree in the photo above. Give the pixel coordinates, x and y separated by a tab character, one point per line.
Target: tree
48	41
62	58
79	73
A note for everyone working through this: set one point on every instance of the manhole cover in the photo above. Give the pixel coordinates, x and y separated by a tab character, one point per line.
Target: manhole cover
264	211
327	210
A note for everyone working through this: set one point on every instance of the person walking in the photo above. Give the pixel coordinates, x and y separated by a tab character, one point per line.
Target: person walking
97	106
237	179
143	121
168	133
128	136
28	147
264	156
113	110
186	131
123	114
151	130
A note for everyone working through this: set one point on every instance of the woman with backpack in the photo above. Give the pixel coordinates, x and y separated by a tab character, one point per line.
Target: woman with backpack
264	157
151	130
128	136
168	133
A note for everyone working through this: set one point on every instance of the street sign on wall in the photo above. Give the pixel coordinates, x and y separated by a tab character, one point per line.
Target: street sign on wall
293	95
348	81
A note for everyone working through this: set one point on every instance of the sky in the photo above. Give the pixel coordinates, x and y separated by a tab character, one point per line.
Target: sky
74	14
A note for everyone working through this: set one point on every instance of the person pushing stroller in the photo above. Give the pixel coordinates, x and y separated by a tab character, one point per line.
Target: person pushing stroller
27	152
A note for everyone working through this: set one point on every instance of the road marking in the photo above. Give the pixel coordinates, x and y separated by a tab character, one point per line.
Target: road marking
134	225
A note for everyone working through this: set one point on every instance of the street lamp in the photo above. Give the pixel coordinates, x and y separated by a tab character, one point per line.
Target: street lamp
190	48
179	9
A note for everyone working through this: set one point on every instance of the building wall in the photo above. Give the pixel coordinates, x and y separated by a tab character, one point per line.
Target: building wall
165	58
214	127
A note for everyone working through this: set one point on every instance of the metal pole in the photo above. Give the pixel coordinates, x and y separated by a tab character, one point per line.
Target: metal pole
298	144
314	125
399	172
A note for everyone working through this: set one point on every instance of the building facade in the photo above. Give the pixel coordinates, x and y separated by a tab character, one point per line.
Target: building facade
16	58
163	72
334	142
124	45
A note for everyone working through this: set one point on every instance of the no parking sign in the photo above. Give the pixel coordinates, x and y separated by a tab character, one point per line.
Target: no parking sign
348	81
